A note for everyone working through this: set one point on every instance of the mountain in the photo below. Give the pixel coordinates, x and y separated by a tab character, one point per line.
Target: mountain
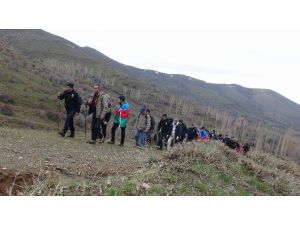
262	104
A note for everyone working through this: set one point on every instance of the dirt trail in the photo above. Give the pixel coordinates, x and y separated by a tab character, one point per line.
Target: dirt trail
35	150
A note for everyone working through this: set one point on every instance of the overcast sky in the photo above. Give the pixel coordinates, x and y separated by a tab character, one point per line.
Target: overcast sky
252	43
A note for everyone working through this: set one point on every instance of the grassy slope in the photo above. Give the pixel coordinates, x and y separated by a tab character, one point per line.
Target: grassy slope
195	169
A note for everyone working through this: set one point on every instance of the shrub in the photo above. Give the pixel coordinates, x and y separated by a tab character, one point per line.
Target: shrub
7	110
7	98
54	116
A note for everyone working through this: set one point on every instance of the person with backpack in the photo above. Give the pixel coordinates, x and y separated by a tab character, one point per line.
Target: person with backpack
173	132
143	124
121	115
163	129
192	133
152	127
203	134
181	132
99	106
72	105
246	148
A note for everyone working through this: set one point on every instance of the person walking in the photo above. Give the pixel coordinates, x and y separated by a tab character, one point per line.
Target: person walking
72	106
99	106
121	115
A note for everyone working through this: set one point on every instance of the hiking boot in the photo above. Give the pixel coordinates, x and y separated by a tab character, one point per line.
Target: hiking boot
141	147
71	135
102	140
62	133
111	143
91	142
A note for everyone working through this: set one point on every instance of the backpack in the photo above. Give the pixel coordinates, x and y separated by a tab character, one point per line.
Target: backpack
152	126
108	99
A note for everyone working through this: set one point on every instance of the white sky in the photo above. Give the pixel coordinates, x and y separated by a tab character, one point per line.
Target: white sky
252	43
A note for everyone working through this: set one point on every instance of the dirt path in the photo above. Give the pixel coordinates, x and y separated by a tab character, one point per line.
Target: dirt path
35	150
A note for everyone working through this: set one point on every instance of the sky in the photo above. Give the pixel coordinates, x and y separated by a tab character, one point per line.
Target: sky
252	43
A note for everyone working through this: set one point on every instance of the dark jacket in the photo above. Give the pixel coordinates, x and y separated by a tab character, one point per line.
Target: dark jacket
181	131
72	101
192	133
165	126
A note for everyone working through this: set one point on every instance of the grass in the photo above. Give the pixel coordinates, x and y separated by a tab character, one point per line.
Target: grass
197	169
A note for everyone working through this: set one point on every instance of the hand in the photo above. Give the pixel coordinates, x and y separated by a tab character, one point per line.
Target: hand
89	101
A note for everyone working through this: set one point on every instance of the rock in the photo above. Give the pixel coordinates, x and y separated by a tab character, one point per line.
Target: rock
146	186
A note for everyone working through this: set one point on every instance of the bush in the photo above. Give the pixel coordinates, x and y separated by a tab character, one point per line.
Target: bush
7	99
54	116
7	110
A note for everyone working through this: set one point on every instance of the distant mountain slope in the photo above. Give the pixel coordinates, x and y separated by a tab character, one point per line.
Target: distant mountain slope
262	104
259	104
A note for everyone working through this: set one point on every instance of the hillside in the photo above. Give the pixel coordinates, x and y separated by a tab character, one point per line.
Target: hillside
35	65
262	104
41	163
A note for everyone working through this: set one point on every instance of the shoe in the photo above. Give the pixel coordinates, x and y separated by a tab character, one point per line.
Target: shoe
62	133
91	142
111	143
102	140
71	135
120	145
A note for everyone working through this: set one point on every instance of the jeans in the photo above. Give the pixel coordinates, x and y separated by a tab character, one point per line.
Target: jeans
113	133
140	138
69	122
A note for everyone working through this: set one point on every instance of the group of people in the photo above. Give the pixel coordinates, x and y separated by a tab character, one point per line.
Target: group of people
169	131
99	105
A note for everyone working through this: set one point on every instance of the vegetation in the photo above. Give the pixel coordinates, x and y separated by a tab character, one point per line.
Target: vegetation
193	169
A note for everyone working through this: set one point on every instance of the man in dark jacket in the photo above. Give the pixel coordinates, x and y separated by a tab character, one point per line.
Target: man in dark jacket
192	133
72	105
163	130
181	132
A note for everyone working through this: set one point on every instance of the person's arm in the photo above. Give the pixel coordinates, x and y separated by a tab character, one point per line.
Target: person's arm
78	106
159	125
137	121
61	96
105	106
148	123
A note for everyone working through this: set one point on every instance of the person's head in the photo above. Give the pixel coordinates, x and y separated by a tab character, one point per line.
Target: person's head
180	121
69	87
148	111
121	99
97	88
193	125
164	116
202	128
143	110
